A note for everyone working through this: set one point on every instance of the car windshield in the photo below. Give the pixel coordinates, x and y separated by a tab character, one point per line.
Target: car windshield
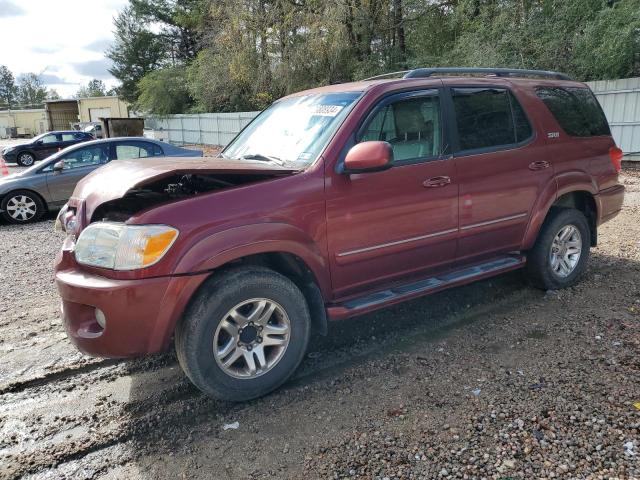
293	131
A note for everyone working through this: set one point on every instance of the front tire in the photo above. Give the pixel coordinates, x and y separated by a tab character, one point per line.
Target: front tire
26	159
561	252
244	333
22	206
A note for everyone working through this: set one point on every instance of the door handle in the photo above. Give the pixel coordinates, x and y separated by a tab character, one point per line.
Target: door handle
436	182
539	165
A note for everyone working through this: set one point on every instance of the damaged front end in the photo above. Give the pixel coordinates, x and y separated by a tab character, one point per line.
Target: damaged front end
122	189
165	190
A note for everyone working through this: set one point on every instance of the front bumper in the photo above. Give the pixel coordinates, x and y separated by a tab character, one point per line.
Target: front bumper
9	157
140	314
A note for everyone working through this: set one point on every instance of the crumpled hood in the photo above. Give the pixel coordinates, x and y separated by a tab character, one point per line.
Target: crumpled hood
118	177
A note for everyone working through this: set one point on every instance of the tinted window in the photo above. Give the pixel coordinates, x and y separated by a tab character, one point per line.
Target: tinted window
576	110
49	139
68	137
85	157
135	150
411	126
489	117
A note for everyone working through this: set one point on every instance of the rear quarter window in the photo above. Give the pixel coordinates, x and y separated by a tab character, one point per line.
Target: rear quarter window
576	110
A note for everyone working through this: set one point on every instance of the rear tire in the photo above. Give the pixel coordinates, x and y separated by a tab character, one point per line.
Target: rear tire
22	206
244	333
561	252
26	159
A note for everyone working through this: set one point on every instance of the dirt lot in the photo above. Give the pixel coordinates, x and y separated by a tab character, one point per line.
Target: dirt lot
492	380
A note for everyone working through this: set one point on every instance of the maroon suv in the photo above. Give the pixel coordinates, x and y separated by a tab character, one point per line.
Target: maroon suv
331	203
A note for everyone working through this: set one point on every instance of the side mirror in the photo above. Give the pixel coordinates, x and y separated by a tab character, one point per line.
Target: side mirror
58	166
38	142
372	156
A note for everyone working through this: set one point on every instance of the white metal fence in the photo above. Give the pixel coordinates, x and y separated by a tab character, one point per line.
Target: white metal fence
203	128
620	100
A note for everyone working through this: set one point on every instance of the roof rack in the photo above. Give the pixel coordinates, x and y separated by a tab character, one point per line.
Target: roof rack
497	72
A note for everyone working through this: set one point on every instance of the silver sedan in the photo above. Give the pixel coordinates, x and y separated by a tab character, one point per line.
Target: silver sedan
25	196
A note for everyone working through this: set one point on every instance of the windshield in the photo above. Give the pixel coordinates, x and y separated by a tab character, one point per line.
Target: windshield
293	131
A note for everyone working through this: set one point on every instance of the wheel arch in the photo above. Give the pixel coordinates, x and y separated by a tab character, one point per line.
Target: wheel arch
582	198
27	150
42	199
295	269
280	247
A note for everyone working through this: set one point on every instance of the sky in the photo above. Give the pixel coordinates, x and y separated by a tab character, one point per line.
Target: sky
62	40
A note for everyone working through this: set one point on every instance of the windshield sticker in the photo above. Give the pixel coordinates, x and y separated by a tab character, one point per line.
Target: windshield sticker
327	110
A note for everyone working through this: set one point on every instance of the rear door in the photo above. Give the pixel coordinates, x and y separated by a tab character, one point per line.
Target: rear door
77	164
383	226
502	168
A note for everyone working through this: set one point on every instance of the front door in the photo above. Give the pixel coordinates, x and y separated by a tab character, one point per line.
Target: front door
387	225
77	164
502	169
47	145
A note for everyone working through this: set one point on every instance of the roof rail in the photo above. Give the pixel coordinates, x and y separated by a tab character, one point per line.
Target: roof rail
498	72
404	74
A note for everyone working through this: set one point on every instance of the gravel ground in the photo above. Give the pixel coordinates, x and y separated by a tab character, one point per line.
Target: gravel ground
492	380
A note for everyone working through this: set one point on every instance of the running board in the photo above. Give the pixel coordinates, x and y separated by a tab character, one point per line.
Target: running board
398	293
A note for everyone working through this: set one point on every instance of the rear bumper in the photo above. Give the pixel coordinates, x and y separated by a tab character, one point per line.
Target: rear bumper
140	314
609	203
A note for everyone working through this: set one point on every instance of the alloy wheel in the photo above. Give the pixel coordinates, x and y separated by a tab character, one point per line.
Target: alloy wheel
21	208
566	249
251	338
26	159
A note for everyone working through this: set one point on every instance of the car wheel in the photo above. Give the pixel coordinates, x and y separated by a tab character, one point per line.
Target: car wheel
22	206
244	333
561	252
26	159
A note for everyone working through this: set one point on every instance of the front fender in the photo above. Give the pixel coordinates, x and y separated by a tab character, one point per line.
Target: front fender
223	247
559	185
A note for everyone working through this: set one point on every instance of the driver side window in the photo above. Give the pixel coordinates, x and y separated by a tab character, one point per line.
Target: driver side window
85	157
412	126
49	139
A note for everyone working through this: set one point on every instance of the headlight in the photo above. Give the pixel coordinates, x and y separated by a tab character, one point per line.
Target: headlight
123	247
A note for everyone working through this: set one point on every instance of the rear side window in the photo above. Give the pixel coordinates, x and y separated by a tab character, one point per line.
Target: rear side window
488	118
137	150
576	110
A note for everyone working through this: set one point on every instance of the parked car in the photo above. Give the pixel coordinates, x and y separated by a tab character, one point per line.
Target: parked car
334	202
27	195
94	129
43	146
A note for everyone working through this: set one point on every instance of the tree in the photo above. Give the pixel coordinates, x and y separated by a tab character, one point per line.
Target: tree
52	94
95	88
31	92
242	54
164	92
7	87
136	52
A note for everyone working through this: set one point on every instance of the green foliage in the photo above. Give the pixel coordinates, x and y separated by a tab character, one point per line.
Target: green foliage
7	87
136	52
95	88
164	92
31	92
241	54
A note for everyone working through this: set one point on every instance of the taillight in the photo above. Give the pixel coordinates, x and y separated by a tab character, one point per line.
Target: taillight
616	158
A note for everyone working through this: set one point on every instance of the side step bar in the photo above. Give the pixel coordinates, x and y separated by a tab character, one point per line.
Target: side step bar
399	293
